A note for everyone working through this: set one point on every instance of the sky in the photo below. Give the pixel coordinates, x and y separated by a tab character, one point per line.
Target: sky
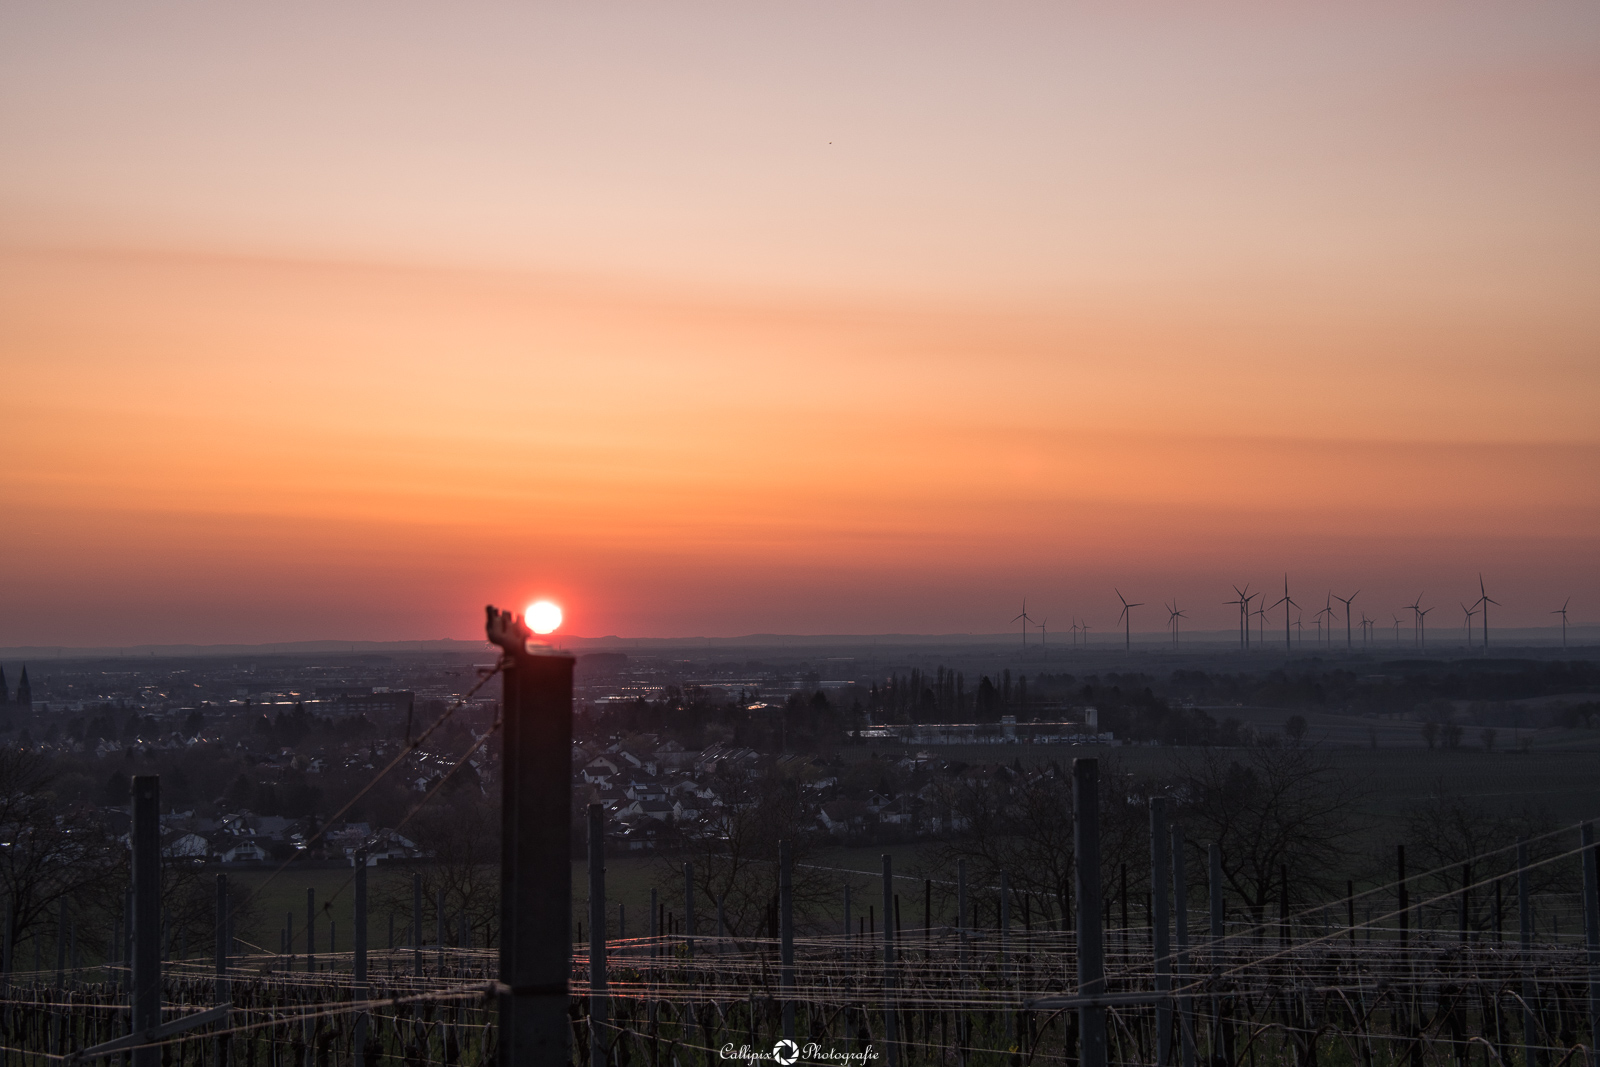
341	321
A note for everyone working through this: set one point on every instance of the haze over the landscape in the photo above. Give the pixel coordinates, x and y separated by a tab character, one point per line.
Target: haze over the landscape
337	322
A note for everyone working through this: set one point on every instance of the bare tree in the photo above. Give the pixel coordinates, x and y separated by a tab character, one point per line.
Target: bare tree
1270	809
459	832
52	857
736	859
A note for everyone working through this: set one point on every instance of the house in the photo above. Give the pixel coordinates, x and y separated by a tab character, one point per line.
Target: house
652	809
246	851
187	846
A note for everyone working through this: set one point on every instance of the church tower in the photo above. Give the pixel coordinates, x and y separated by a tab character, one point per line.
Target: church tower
25	690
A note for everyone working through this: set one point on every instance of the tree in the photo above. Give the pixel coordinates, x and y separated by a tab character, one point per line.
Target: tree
1295	728
1430	733
1487	737
1448	830
52	856
1271	808
736	860
460	834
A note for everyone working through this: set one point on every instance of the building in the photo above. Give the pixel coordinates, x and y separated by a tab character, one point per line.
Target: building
24	690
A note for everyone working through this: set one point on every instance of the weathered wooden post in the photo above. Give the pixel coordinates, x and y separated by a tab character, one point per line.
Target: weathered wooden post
1589	858
688	908
1181	969
1530	1022
536	847
599	1005
311	930
1158	927
1091	943
786	936
438	918
146	1005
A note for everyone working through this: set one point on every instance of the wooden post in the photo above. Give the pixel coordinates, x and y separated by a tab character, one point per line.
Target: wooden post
1158	928
536	847
416	921
688	908
1091	935
599	1003
146	1013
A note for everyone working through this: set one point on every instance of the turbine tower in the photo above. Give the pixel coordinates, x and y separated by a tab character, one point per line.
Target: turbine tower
1562	611
1468	613
1043	633
1345	600
1287	604
1173	615
1244	617
1483	604
1127	619
1416	619
1025	621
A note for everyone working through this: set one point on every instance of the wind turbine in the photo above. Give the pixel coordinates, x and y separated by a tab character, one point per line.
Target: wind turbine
1422	617
1562	611
1043	633
1483	603
1244	618
1396	630
1469	613
1299	629
1345	600
1287	604
1416	621
1075	629
1173	615
1366	629
1025	621
1261	622
1127	614
1327	609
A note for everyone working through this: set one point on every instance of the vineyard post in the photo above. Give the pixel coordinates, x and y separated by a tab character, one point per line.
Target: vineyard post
221	995
891	1032
311	930
599	1007
1589	858
1158	923
1222	1035
535	847
1091	945
438	917
416	923
358	968
1180	924
786	935
146	986
688	908
1525	921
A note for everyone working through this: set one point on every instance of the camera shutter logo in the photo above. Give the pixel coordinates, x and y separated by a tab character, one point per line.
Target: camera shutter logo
785	1052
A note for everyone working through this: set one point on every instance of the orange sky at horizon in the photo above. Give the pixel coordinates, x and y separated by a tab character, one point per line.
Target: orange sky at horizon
364	370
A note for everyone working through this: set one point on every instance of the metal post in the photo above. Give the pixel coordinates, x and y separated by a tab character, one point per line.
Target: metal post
5	951
1219	930
1589	859
1158	928
688	907
146	1014
221	994
438	917
358	966
311	930
891	1028
416	922
1466	902
1086	875
1005	954
599	1004
1180	928
1530	1024
535	847
786	936
61	942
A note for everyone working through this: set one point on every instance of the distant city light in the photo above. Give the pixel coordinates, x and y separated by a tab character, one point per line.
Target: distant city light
542	617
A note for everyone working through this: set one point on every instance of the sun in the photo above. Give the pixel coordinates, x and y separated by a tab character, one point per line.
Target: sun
542	617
